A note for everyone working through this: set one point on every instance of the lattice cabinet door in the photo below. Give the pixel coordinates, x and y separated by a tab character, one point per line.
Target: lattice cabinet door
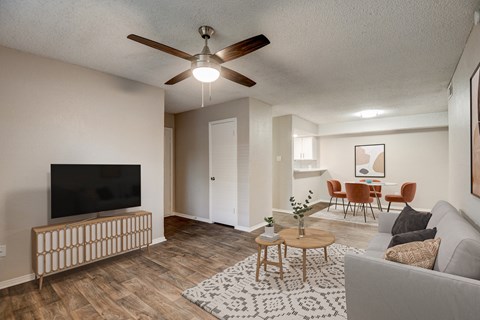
64	246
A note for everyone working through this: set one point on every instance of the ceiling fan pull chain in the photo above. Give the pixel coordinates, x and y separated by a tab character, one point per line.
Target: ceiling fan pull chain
202	96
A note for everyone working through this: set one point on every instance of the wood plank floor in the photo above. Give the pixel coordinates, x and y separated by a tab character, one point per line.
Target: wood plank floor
138	285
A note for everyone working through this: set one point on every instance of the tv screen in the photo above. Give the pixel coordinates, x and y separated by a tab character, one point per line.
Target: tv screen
88	188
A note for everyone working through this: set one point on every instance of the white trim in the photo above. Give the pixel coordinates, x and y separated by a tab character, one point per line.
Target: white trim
250	229
18	280
158	240
189	216
210	123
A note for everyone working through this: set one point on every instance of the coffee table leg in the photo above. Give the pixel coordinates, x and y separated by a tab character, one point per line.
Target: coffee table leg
285	250
304	265
325	252
265	259
280	260
258	262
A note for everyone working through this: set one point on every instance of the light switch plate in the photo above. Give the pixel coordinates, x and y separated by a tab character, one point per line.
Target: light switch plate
3	250
279	158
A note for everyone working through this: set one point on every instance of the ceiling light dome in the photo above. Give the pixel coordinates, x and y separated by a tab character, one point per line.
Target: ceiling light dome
205	69
369	113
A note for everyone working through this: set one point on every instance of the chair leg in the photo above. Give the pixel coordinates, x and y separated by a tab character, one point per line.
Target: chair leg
345	212
379	203
388	209
365	212
372	211
343	205
328	209
354	208
336	199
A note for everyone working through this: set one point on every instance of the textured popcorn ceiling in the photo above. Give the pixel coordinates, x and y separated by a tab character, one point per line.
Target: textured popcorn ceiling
327	59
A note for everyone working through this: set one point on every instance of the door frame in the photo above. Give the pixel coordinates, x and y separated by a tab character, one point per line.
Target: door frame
172	173
210	124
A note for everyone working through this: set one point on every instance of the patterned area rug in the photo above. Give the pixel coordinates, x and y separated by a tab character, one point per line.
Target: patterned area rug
234	293
337	214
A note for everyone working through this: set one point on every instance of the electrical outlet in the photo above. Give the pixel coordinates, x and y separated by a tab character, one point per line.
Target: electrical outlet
3	250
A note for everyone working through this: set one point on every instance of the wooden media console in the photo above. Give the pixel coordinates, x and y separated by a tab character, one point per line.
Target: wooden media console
65	246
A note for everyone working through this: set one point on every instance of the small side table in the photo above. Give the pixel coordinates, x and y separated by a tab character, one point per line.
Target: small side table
263	244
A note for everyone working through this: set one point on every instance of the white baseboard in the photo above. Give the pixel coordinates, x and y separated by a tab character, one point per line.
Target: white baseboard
18	280
250	229
189	216
158	240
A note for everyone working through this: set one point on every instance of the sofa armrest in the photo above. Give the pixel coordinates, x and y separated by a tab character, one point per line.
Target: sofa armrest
386	221
380	289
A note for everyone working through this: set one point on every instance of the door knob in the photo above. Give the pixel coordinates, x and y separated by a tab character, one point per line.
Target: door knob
212	178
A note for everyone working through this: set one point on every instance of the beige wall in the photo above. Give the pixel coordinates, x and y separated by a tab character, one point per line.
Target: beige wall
282	162
420	156
192	152
260	155
54	112
169	120
459	130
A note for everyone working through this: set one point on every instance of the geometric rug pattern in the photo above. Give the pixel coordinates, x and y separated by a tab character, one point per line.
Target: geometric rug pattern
234	293
338	215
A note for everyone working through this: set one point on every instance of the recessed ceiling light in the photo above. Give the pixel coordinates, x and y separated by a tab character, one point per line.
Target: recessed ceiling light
369	113
295	135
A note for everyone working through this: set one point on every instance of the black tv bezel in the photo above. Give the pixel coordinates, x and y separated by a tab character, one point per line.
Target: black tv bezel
52	216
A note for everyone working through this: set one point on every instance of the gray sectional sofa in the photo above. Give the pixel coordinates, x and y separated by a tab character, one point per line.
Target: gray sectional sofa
385	290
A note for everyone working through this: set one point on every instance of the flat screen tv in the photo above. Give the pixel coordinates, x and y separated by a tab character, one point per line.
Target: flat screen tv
93	188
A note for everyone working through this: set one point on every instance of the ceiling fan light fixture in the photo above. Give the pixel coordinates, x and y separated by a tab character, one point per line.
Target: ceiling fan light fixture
205	70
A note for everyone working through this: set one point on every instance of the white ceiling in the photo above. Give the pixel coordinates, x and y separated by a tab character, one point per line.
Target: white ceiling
327	59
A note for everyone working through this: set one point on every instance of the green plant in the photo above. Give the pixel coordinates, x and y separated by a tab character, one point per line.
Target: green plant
299	209
270	221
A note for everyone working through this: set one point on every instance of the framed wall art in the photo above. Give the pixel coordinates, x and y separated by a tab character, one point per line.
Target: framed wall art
474	133
370	161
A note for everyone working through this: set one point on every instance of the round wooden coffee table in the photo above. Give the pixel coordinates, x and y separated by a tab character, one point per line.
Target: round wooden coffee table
313	239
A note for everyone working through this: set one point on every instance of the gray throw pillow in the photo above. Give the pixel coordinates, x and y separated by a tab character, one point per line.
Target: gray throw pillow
410	220
419	235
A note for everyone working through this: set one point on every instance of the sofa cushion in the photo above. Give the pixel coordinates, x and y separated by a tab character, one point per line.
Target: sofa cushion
418	253
410	220
418	235
459	252
379	242
440	209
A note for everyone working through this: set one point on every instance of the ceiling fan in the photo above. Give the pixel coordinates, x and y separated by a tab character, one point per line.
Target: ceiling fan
206	66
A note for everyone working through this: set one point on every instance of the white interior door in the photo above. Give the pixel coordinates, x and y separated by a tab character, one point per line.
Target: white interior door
223	171
168	173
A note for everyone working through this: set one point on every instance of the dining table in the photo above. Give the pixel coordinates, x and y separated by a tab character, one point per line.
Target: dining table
373	184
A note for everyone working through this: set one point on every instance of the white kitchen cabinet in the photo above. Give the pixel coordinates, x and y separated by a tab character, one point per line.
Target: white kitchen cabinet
304	148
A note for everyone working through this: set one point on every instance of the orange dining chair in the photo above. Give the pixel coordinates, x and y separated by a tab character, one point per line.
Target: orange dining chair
375	192
335	191
407	193
359	193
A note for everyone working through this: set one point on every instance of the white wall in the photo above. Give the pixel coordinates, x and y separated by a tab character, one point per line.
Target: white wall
420	156
54	112
459	130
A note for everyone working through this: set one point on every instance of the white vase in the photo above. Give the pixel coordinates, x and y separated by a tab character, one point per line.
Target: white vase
269	231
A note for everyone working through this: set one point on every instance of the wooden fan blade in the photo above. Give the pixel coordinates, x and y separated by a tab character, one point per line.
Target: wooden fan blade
179	77
236	77
161	47
242	48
